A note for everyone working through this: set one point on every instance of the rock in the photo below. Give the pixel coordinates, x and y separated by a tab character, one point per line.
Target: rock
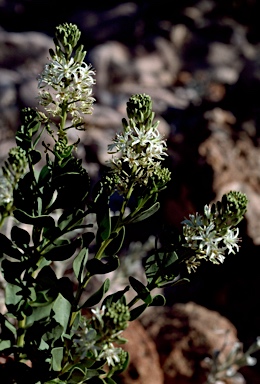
159	67
185	335
111	63
26	51
9	81
144	367
235	162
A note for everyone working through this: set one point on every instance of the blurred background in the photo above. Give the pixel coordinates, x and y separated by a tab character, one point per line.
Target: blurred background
200	63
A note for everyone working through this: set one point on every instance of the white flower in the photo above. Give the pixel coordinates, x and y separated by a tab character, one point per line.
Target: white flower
98	313
141	148
203	236
72	84
231	239
111	354
251	360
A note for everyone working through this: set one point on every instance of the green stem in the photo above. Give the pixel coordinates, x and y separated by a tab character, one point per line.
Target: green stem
63	117
102	248
21	325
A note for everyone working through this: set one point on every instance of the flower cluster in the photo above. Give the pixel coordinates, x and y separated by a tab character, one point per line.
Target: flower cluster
140	144
66	81
95	337
212	234
14	168
225	366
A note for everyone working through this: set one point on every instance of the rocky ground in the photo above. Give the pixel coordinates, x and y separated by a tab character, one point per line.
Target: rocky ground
200	63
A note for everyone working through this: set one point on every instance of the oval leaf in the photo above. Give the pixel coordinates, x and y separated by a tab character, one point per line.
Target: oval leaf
136	312
20	236
79	264
39	221
158	301
97	267
97	296
147	213
142	291
62	252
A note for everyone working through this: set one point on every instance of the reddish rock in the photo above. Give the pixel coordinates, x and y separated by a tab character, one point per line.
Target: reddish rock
184	335
144	366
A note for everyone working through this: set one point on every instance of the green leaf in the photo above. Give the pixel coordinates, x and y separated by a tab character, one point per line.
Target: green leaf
110	381
164	263
39	313
103	217
44	175
87	238
35	156
79	264
57	356
97	267
11	294
147	213
158	301
93	374
97	296
5	344
20	236
43	345
8	248
62	252
38	221
136	312
65	287
8	333
114	297
142	291
114	247
12	270
61	308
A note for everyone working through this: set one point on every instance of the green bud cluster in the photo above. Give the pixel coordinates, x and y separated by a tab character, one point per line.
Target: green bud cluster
161	177
139	109
66	39
230	210
123	357
116	317
68	35
16	163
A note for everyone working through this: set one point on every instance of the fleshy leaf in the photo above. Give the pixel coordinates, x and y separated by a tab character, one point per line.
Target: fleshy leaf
35	156
136	312
158	301
97	296
114	297
103	217
114	247
20	236
79	264
147	213
142	291
39	221
62	252
57	356
97	267
8	248
61	308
